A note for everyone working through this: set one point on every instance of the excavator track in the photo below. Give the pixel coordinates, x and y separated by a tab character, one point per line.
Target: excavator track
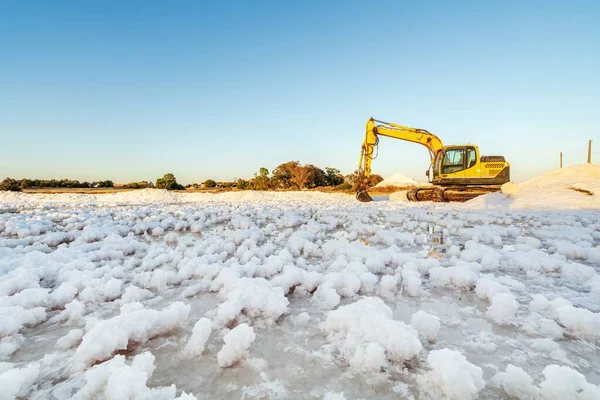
449	194
420	194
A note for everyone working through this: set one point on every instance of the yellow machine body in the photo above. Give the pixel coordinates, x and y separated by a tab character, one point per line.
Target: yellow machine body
463	165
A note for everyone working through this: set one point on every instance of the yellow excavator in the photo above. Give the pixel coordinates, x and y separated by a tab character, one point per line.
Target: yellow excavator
457	173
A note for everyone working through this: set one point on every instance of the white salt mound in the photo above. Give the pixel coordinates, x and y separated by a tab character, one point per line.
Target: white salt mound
397	180
565	383
115	379
70	339
256	298
516	383
237	342
16	382
428	325
560	383
366	334
451	376
200	334
579	321
576	187
114	334
503	308
487	288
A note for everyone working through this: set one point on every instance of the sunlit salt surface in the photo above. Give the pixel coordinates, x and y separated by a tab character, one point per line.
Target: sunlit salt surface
99	299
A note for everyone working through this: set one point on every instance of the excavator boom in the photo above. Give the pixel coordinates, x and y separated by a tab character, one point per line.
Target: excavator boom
376	128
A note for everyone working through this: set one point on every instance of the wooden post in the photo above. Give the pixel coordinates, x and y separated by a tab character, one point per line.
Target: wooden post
590	152
561	159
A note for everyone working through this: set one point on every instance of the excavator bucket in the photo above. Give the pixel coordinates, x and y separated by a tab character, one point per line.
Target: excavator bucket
363	196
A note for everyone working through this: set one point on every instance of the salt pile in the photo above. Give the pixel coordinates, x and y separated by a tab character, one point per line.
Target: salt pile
397	180
576	187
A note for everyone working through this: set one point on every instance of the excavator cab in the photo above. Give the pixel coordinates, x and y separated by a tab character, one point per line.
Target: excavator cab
462	165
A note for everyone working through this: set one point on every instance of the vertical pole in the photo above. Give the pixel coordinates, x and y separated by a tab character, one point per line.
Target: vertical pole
590	152
561	159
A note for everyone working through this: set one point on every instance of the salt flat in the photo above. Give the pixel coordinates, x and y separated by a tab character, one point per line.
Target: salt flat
152	294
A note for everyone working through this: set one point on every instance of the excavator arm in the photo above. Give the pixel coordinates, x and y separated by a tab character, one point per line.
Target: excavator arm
377	128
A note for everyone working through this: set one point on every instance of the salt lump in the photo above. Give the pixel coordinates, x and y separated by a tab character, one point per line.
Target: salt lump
237	342
451	376
254	298
116	380
503	308
17	381
200	334
366	336
566	383
516	383
582	323
115	333
426	324
560	383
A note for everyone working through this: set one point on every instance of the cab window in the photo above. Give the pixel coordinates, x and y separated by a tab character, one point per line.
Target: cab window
471	157
436	165
453	161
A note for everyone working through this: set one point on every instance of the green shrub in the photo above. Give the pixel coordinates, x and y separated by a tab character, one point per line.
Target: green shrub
169	182
10	184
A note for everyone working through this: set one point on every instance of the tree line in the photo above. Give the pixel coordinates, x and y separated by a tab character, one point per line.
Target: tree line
291	175
295	176
18	185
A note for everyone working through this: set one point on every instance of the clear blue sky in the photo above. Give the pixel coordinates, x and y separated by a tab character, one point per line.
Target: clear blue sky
130	90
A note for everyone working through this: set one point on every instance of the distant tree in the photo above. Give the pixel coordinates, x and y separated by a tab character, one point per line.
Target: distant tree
209	183
333	176
355	179
242	184
169	182
261	180
374	179
316	177
291	175
133	185
299	176
10	185
282	175
104	184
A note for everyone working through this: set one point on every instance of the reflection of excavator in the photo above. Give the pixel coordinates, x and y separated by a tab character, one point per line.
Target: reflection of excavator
459	173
